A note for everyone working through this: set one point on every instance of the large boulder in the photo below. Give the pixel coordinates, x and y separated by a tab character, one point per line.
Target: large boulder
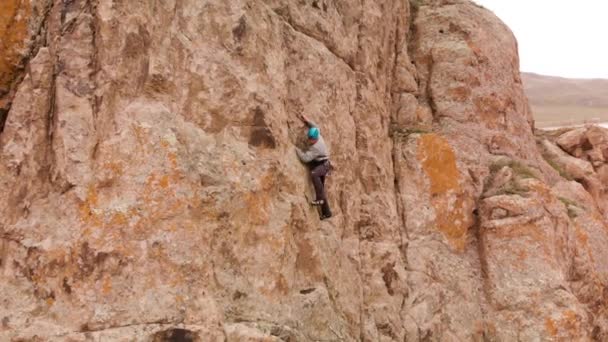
572	140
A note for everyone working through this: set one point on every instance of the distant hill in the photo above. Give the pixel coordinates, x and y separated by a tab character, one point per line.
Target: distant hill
558	101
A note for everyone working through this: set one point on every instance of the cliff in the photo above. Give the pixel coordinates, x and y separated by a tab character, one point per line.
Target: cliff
151	192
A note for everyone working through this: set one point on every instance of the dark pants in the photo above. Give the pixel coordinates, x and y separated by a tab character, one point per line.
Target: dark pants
318	171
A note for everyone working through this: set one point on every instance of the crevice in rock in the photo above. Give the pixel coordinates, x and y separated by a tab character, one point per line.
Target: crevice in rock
307	291
483	263
175	335
411	33
395	61
401	212
4	115
3	253
49	156
429	90
178	330
95	71
87	327
289	21
396	144
399	206
412	46
50	116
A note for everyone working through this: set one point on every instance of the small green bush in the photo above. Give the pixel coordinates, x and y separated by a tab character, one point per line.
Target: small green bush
557	167
519	170
513	188
416	3
568	202
402	132
570	205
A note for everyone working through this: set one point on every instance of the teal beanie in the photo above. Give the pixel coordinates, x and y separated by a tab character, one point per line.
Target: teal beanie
313	133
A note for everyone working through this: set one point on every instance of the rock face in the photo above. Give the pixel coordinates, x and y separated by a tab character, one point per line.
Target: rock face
22	25
151	191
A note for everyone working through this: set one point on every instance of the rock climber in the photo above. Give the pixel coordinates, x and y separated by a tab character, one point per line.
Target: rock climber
317	159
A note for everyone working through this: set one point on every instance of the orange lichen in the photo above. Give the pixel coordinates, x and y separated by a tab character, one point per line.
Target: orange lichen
107	285
439	163
115	167
568	325
172	159
550	327
490	110
119	219
452	205
140	136
461	93
87	207
164	181
14	17
530	231
452	219
281	285
92	199
177	277
157	199
542	191
581	235
570	321
257	204
583	238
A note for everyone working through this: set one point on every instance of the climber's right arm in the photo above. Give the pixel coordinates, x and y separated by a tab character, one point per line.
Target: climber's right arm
307	121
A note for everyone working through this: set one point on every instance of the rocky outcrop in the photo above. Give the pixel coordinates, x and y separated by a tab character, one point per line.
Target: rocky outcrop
152	191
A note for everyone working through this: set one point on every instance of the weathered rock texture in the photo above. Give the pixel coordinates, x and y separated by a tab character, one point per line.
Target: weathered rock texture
150	189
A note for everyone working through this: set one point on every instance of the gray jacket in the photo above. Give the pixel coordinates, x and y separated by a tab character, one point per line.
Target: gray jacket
317	152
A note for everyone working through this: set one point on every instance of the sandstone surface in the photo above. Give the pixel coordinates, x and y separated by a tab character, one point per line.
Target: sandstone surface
150	190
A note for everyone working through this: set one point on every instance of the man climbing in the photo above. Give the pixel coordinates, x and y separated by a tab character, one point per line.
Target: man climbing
317	159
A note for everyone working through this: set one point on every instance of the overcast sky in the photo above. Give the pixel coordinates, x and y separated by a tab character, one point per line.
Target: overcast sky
558	37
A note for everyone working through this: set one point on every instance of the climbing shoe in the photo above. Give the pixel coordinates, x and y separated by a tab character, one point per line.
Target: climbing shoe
325	217
317	202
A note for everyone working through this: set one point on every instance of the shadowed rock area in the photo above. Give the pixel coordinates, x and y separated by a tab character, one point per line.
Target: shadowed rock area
151	191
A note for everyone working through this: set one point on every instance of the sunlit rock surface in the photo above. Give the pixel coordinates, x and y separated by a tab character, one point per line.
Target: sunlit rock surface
150	190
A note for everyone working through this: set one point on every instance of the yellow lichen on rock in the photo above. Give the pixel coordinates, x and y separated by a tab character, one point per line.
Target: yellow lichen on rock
14	16
439	163
550	326
88	206
450	202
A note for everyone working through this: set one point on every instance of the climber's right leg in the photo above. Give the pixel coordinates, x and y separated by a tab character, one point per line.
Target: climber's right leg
318	180
325	210
317	174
